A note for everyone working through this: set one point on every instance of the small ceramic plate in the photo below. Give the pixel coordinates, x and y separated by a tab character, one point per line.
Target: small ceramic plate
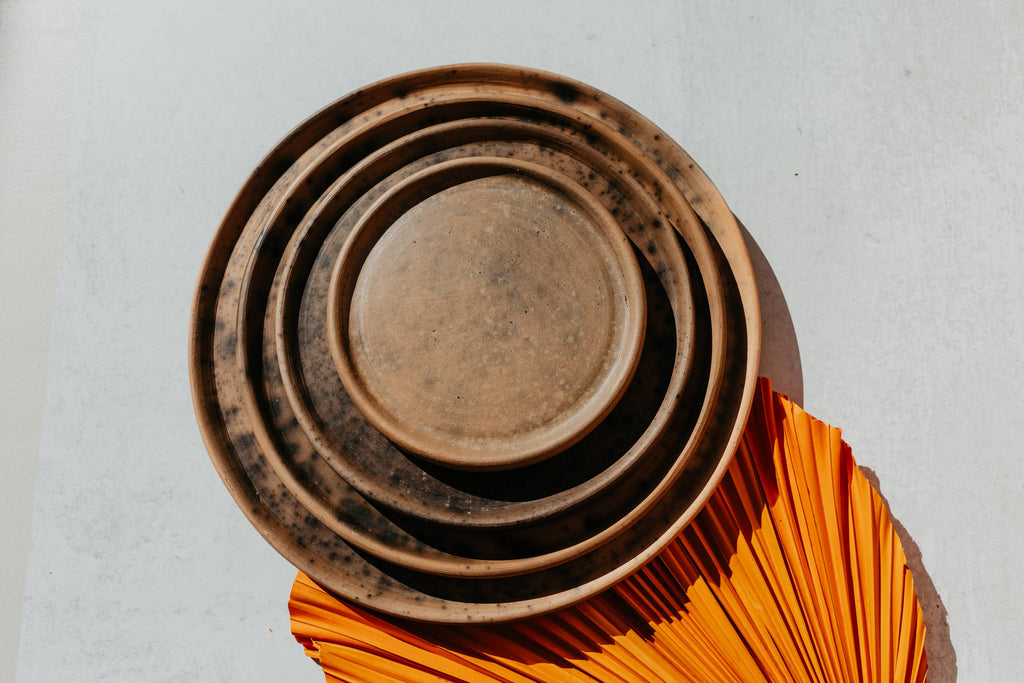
486	313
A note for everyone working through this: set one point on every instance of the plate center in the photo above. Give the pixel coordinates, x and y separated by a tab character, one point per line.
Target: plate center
490	321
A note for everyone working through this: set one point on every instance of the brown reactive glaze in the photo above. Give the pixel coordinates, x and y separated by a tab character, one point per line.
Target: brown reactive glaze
420	539
485	313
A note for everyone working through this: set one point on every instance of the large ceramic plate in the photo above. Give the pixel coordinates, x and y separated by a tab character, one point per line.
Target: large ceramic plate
474	343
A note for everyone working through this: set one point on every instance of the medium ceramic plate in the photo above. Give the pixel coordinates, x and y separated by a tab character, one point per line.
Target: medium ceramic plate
381	472
359	424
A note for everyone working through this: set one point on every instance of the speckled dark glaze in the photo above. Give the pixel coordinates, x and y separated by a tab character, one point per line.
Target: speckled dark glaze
415	539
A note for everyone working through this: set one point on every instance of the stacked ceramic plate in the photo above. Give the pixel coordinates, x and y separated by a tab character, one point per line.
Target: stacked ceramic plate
474	343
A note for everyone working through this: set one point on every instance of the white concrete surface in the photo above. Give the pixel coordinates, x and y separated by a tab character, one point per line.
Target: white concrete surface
38	49
874	151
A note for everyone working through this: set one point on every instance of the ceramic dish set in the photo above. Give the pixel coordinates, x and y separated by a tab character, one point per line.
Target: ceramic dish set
473	343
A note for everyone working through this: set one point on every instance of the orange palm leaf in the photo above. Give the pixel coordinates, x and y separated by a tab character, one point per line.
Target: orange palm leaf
791	572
